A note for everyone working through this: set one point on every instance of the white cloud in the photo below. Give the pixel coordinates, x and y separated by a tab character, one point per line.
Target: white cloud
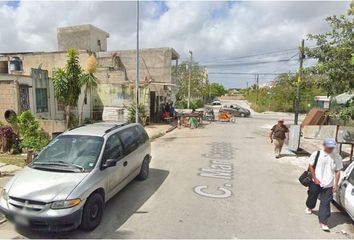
213	30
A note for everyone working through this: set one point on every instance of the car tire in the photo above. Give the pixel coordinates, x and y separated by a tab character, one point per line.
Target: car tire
243	115
93	212
144	170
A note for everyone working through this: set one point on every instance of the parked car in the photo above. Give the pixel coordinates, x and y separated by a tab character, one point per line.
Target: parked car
238	111
216	103
345	194
69	182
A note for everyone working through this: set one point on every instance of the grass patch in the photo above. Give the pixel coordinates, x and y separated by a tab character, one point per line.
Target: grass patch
14	159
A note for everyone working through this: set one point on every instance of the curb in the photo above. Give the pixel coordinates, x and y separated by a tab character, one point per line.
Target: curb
2	221
163	133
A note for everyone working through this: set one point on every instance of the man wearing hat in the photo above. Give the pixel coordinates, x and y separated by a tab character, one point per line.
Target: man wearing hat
325	177
278	136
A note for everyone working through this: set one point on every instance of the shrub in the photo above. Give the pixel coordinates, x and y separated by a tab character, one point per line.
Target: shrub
8	138
131	113
32	137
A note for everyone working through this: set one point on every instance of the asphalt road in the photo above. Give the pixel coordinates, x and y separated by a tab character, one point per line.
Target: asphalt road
251	195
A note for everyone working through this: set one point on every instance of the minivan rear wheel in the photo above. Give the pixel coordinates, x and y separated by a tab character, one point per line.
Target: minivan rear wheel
144	170
92	213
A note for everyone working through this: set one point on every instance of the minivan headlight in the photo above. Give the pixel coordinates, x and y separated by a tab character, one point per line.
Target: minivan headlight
4	194
65	203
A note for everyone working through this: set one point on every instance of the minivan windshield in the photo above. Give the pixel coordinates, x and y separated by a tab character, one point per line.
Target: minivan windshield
73	152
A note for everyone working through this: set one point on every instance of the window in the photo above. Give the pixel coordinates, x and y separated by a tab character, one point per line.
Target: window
351	177
143	137
41	100
71	149
113	148
130	139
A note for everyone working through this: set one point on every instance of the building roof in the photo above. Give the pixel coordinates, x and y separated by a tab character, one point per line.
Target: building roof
96	129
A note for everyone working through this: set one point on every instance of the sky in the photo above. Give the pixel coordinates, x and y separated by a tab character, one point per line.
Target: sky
222	34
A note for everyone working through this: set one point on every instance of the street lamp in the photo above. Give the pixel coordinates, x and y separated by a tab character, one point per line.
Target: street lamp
189	79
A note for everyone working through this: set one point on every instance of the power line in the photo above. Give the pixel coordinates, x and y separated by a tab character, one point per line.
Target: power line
250	63
286	51
256	55
248	73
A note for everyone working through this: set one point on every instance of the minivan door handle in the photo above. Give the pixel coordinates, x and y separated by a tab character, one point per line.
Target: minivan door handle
125	163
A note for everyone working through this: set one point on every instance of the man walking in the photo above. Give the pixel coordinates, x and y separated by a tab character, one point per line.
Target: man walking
278	135
325	172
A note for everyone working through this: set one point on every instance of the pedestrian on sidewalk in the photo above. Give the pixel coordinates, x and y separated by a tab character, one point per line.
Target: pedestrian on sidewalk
278	135
325	172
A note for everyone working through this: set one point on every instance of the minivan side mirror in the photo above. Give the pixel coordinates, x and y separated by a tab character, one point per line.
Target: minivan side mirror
109	163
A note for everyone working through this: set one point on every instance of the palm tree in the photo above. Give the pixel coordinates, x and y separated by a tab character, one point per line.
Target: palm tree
66	83
89	81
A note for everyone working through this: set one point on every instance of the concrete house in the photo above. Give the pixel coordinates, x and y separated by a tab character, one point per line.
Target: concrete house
25	78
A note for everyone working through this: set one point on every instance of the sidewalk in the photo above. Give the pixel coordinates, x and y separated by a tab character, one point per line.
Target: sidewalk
157	130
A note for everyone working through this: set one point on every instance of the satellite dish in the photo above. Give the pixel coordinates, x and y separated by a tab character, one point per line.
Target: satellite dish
9	115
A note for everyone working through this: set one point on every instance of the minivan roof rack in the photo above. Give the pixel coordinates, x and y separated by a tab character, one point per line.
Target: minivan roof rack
115	127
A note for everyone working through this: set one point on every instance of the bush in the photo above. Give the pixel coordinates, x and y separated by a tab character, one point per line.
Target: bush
8	138
182	104
32	137
131	113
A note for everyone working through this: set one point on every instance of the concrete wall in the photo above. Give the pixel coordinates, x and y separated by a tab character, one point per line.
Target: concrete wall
319	132
116	84
155	63
47	61
8	97
83	37
52	127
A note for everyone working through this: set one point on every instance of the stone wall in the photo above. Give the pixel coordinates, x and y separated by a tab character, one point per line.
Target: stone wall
8	97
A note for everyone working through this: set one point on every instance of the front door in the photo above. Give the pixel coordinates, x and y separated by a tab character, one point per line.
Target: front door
116	174
24	98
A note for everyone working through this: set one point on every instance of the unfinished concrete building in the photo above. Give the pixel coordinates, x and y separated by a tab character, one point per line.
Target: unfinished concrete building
26	76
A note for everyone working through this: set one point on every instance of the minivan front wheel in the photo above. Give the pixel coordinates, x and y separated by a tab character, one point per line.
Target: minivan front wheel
92	213
144	170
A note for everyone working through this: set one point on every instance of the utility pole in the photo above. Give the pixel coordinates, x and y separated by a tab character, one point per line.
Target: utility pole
297	98
189	78
257	86
137	63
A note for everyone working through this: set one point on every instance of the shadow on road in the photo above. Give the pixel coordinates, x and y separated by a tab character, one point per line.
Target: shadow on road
337	218
117	211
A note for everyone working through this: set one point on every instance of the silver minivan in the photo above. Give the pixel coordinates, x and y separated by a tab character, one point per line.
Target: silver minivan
69	182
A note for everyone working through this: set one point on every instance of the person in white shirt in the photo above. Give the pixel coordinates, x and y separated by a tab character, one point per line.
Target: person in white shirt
325	177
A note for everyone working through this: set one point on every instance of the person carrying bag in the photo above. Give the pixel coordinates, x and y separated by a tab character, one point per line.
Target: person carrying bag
306	178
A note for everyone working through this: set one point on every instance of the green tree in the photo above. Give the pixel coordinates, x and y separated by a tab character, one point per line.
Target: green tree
216	90
280	97
334	53
199	81
67	83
